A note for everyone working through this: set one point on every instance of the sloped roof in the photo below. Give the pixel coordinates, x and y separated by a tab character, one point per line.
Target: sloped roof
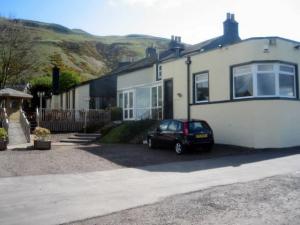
140	64
8	92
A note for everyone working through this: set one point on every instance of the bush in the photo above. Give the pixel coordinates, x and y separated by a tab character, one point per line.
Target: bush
3	134
41	133
116	113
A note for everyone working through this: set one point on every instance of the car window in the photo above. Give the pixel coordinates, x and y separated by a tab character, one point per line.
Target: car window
197	126
164	125
173	126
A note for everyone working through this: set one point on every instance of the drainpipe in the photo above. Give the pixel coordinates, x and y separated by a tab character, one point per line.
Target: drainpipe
188	64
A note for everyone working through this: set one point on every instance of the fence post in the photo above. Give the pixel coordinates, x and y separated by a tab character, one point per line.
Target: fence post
37	117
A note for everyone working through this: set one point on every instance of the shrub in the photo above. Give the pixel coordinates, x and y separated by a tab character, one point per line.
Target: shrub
41	133
128	131
3	134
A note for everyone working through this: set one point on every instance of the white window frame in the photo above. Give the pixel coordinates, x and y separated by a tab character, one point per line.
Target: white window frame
126	107
195	86
254	72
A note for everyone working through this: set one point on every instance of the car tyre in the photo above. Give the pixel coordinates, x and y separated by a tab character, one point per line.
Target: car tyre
179	148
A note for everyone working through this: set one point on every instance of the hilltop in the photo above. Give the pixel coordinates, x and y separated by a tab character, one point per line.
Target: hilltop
87	54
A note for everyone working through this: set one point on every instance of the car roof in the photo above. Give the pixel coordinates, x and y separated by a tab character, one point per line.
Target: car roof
185	120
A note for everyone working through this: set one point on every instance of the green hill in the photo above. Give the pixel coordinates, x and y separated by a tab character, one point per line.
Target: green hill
82	52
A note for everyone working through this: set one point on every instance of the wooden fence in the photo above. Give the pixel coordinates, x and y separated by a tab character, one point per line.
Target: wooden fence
71	120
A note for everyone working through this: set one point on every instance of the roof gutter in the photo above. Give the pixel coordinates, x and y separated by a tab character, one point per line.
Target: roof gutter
188	66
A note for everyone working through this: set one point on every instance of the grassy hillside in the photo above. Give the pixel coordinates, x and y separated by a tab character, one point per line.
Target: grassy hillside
82	52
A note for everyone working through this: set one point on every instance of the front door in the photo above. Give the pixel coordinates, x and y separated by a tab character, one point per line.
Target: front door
168	99
128	112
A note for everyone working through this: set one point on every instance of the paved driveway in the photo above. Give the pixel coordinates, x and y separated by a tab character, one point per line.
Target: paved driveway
55	199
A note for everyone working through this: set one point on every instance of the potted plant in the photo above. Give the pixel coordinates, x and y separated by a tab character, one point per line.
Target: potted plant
3	139
41	141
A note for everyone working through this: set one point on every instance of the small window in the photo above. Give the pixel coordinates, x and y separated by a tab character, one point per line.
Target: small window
201	87
159	73
288	69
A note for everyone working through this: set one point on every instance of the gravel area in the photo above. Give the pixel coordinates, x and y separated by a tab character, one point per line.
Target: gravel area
273	201
97	157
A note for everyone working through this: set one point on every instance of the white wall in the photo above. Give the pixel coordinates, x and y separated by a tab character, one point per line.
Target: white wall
82	94
255	123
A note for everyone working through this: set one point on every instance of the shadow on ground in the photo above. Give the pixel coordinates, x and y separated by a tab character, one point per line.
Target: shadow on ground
161	160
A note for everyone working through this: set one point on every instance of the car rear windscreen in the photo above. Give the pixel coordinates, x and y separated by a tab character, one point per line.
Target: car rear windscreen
196	126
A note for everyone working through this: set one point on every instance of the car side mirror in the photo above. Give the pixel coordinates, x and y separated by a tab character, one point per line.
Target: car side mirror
158	130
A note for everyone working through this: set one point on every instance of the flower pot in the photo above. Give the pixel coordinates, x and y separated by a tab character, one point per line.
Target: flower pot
42	145
3	145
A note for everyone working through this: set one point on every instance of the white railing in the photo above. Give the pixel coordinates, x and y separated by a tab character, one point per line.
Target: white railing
25	125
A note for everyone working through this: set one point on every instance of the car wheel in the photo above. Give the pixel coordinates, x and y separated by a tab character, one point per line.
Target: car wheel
179	148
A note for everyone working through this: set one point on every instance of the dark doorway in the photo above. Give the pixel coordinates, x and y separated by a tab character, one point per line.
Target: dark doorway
168	99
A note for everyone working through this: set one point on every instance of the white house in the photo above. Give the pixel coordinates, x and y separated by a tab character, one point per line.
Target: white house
247	90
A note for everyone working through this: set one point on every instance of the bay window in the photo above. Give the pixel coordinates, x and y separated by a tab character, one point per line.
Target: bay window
264	80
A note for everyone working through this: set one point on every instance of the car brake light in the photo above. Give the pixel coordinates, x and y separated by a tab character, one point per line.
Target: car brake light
185	129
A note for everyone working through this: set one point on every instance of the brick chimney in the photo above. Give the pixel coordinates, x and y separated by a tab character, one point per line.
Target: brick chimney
231	29
55	80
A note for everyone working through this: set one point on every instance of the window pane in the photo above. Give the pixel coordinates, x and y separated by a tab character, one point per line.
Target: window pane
126	100
121	100
289	69
242	70
266	84
142	97
159	96
130	114
286	85
201	87
265	67
154	97
243	86
130	100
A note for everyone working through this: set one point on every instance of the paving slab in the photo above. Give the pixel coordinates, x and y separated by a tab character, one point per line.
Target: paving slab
56	199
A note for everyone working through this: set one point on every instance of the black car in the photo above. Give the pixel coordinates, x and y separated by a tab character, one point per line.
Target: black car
181	134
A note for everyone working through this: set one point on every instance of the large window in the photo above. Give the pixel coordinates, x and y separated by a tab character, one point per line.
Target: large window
264	80
143	102
201	87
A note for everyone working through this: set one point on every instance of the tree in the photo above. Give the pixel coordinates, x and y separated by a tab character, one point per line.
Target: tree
67	80
15	49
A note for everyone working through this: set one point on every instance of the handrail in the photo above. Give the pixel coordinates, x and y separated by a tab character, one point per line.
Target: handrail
25	125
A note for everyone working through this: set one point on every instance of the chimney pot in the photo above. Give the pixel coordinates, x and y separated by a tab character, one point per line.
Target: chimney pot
228	16
232	17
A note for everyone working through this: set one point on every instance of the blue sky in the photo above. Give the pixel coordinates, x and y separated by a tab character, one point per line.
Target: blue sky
194	20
